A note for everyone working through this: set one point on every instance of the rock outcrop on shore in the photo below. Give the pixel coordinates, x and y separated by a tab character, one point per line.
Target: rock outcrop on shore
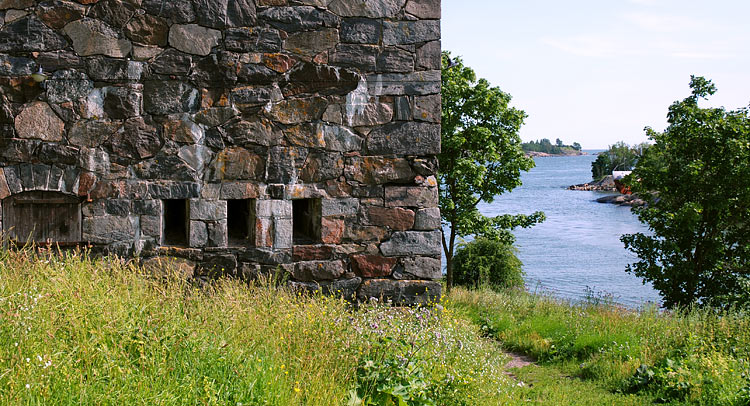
606	184
622	200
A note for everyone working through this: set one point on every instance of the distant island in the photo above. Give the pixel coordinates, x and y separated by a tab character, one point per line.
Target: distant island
545	147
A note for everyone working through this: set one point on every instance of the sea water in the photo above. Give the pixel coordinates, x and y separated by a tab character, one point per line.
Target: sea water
576	253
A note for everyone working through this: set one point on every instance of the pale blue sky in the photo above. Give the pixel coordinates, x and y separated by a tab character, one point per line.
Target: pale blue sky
599	71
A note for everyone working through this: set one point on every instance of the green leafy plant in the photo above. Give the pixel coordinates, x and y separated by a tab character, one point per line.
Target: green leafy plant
486	262
391	375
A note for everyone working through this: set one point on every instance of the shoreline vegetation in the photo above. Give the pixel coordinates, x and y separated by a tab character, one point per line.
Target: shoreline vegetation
535	154
545	148
77	330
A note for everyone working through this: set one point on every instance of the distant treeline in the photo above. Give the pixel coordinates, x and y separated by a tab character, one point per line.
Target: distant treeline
544	145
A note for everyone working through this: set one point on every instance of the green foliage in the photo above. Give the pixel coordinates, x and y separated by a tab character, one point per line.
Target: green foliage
385	380
544	145
698	356
695	182
481	157
619	156
490	263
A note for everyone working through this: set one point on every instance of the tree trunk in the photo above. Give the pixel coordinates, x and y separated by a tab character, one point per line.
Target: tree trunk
449	272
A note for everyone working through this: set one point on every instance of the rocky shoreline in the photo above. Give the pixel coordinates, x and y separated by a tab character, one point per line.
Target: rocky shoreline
622	200
607	184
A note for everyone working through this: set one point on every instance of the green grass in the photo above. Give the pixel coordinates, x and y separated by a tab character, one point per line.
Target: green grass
75	330
79	331
694	357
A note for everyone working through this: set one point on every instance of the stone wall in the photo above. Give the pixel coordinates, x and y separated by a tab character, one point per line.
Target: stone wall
151	105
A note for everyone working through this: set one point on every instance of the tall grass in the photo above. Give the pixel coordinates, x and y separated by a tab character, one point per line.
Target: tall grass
76	330
698	356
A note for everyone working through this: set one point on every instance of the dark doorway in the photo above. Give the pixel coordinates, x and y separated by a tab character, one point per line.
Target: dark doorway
175	222
306	221
239	221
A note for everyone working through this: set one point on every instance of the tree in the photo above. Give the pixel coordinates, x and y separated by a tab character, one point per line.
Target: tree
619	156
481	158
695	181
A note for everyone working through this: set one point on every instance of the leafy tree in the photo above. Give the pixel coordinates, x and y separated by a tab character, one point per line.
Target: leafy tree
619	156
577	146
695	181
481	158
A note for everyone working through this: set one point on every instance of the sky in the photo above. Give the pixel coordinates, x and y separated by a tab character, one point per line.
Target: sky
599	71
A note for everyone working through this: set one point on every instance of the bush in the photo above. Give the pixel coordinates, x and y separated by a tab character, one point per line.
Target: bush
486	262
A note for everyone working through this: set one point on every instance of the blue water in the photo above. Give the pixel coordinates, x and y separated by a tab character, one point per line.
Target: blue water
578	247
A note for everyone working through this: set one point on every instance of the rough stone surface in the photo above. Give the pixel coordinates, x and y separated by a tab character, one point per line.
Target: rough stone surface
225	13
409	243
395	84
38	120
410	196
180	11
373	266
361	31
427	9
427	108
395	218
410	32
421	268
309	271
408	138
56	14
379	170
193	39
94	37
107	69
116	13
165	97
427	219
67	85
123	102
280	136
253	40
148	29
30	34
309	44
371	9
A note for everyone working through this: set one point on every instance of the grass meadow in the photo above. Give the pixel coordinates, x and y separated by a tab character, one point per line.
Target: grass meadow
102	331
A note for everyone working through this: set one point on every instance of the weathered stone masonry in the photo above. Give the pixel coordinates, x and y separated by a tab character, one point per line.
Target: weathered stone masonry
239	136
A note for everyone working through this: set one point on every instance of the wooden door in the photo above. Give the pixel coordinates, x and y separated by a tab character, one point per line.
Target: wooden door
42	217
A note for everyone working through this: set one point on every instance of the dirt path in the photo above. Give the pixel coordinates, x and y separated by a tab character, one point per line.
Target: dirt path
517	361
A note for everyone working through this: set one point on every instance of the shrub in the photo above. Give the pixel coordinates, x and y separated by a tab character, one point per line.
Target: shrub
486	262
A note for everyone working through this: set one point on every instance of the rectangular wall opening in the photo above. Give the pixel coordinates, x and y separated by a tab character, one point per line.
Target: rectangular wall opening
239	221
306	221
175	222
